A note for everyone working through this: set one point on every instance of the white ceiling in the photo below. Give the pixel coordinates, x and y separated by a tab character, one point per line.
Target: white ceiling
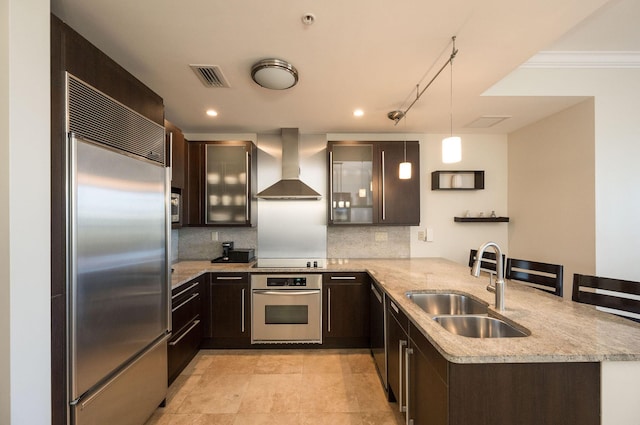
367	54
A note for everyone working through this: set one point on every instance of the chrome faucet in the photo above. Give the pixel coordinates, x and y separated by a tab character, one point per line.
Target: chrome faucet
498	288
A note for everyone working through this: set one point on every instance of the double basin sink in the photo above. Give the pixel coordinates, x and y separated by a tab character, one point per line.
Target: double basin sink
462	315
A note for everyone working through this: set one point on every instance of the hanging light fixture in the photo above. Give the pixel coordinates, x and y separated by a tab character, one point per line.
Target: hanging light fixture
404	171
452	145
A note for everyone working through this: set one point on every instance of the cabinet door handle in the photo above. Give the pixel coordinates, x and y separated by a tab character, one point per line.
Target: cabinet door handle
171	150
186	290
376	293
242	310
402	343
247	184
185	302
228	277
343	278
407	352
331	184
193	325
394	307
384	207
329	310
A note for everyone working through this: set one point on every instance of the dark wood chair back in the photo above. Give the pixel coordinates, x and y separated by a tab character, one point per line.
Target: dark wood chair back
544	276
616	296
489	261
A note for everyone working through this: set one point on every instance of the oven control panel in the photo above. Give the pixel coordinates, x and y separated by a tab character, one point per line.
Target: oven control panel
286	281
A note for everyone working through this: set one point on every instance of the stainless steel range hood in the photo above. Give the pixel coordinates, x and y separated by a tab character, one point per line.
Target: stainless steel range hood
290	186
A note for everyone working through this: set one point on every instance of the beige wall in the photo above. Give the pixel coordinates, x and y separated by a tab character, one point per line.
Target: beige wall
25	343
552	191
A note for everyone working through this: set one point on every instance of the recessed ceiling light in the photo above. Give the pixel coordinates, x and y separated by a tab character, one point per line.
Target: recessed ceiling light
358	113
212	113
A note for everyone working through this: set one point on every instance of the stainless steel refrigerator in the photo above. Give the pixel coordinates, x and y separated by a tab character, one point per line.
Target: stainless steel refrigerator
117	260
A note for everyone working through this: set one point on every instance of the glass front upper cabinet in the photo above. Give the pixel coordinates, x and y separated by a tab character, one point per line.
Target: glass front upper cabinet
351	181
227	192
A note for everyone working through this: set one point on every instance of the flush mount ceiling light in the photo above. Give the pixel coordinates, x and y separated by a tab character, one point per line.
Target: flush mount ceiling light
274	74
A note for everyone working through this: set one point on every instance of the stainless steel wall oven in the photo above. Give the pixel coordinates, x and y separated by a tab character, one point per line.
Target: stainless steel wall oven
286	308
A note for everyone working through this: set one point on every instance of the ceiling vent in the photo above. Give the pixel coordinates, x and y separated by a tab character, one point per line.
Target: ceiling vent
487	121
210	75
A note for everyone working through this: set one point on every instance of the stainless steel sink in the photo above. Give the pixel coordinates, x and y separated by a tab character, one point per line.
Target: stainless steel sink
476	326
447	303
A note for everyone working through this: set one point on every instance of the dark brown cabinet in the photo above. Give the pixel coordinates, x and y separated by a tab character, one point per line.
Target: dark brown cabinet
430	390
365	186
228	311
186	325
221	184
176	150
397	343
345	300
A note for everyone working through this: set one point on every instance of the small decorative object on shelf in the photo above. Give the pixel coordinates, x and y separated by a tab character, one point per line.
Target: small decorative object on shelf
493	214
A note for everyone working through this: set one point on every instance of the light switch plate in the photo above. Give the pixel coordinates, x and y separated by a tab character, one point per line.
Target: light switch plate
421	235
429	234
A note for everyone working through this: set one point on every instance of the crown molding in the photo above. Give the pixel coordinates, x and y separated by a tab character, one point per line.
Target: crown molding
584	59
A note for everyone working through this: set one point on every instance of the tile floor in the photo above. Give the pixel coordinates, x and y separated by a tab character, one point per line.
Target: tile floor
284	387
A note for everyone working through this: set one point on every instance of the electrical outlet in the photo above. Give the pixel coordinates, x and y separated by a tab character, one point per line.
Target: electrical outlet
214	236
381	236
421	235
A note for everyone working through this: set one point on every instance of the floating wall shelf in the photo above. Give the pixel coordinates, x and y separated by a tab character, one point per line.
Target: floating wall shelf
481	219
457	180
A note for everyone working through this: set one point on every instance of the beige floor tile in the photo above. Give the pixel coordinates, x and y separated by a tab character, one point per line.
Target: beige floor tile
272	393
179	391
382	418
360	361
321	361
368	392
330	419
267	419
216	394
280	362
327	392
234	364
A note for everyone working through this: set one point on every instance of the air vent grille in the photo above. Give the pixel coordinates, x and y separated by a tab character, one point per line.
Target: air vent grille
93	115
210	75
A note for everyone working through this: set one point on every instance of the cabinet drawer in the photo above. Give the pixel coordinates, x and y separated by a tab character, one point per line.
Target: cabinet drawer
226	278
186	305
394	311
182	347
345	277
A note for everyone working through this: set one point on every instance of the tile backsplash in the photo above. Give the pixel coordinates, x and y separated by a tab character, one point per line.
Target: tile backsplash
368	242
195	243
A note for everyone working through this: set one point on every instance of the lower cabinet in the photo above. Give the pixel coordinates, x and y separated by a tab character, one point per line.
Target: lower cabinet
430	390
228	311
397	342
186	324
345	305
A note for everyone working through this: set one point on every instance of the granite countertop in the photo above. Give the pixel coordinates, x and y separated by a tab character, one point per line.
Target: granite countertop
561	330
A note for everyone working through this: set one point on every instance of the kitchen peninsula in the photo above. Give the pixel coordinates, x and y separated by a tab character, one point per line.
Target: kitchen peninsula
561	331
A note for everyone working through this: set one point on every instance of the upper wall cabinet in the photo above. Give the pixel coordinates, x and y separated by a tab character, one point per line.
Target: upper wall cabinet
175	154
221	183
365	187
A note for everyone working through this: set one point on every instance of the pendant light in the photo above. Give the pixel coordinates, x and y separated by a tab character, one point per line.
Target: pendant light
405	167
452	145
404	171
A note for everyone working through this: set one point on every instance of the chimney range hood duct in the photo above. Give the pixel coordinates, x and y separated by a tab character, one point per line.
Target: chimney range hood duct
290	186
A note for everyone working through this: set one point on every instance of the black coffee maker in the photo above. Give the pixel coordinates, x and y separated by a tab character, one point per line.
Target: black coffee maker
227	247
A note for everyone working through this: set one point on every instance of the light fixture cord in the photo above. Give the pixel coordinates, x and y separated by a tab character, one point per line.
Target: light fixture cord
451	97
405	139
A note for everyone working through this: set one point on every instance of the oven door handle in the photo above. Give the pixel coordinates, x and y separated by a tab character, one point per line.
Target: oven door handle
286	292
